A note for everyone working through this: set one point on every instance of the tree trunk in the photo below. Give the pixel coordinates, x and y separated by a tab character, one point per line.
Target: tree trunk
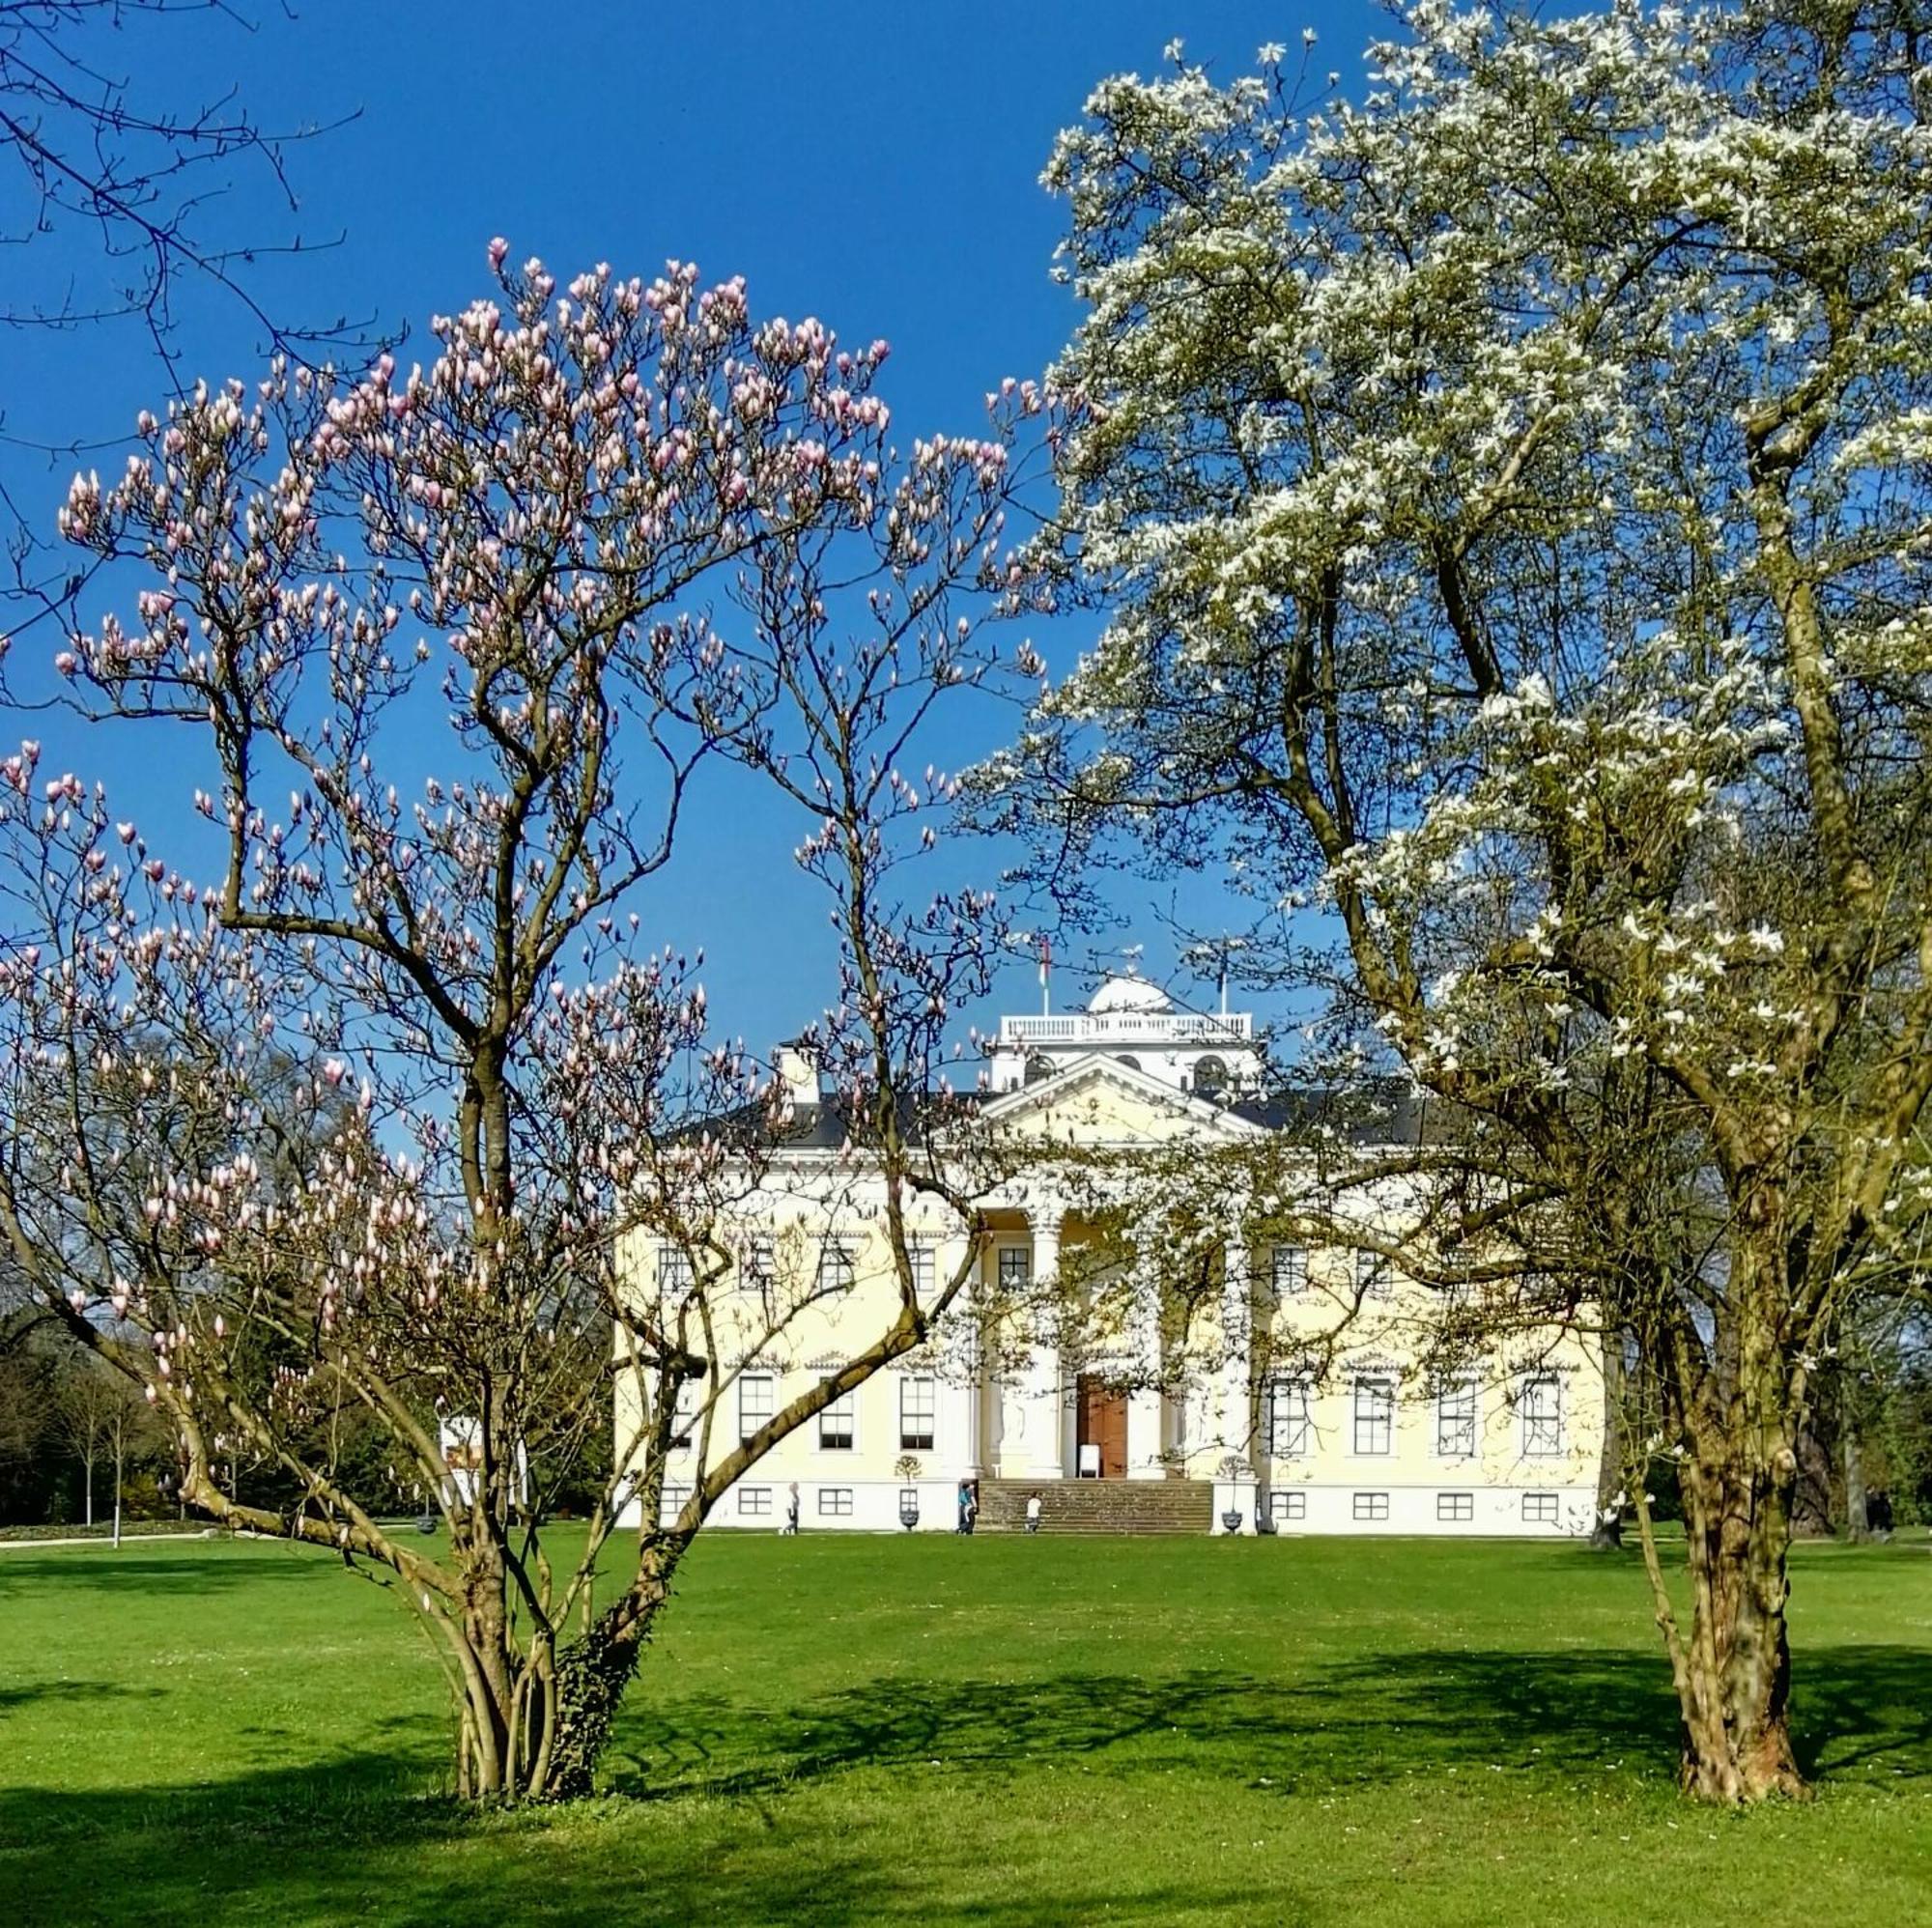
1606	1532
1734	1673
1858	1519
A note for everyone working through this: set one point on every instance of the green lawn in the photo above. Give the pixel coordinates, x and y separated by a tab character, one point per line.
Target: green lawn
933	1730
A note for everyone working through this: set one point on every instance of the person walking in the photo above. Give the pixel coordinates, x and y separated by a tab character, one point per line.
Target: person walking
1033	1512
792	1510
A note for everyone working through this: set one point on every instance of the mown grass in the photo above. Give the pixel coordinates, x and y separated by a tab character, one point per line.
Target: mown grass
932	1730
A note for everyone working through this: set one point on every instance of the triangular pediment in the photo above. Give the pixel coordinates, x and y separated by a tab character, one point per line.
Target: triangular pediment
1097	1100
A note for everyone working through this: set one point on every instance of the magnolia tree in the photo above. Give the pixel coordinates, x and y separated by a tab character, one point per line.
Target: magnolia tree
1512	492
372	1116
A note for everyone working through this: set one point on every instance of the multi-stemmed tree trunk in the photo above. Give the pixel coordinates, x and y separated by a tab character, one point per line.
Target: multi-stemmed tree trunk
627	516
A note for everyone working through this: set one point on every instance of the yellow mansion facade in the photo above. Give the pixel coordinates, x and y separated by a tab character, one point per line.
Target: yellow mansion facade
1372	1441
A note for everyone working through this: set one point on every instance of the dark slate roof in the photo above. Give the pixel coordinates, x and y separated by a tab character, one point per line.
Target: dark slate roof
1389	1111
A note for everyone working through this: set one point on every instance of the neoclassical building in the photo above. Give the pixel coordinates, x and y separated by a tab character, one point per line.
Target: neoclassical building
1116	1433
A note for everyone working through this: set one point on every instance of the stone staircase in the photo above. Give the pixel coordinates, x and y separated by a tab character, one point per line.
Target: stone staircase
1099	1505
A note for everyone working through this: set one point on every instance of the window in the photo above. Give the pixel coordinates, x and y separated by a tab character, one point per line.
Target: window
1039	1067
1375	1416
674	1271
754	1402
683	1420
834	1267
836	1424
1457	1509
919	1256
1132	1063
1539	1508
1456	1420
1541	1418
1016	1267
919	1404
1210	1074
672	1499
755	1502
1291	1428
835	1502
1288	1506
760	1265
1372	1506
1290	1271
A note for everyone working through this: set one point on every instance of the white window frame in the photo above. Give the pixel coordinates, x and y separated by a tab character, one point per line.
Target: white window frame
838	1265
835	1502
758	1266
749	1418
1373	1281
1014	1267
1288	1506
1287	1270
1456	1509
671	1500
1377	1414
1458	1393
923	1261
1290	1417
836	1415
1542	1425
1370	1508
1541	1509
914	1439
755	1502
675	1273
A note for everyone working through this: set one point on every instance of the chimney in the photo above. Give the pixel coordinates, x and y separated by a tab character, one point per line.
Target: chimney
798	1076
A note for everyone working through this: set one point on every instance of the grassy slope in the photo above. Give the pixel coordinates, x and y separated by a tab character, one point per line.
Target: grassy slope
1006	1731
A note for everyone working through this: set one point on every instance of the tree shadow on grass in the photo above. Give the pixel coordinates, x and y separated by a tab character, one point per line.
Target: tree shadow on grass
105	1570
1382	1718
354	1841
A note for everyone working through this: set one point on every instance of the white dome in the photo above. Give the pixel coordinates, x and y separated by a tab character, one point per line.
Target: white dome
1129	994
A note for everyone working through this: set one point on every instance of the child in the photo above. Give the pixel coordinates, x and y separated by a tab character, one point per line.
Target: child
1033	1512
792	1510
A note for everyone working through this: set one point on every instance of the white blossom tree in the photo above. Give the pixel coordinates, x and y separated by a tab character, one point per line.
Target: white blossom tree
1511	495
371	1116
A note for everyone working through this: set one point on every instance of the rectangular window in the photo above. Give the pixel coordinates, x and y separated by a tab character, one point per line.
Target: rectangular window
834	1267
1456	1420
1374	1417
1372	1276
1015	1268
755	1502
672	1499
1290	1271
1541	1418
1539	1508
919	1409
835	1502
1288	1506
674	1271
754	1402
760	1265
1458	1508
1291	1425
836	1424
919	1256
684	1419
1372	1506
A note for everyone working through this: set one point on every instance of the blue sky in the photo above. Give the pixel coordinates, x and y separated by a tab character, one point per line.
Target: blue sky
875	166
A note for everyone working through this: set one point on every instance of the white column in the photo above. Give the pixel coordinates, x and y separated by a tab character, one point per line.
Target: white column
1042	1443
1236	1491
1145	1403
1237	1354
959	1422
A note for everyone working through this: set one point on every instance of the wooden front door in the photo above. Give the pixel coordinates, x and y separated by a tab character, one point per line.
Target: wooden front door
1103	1423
